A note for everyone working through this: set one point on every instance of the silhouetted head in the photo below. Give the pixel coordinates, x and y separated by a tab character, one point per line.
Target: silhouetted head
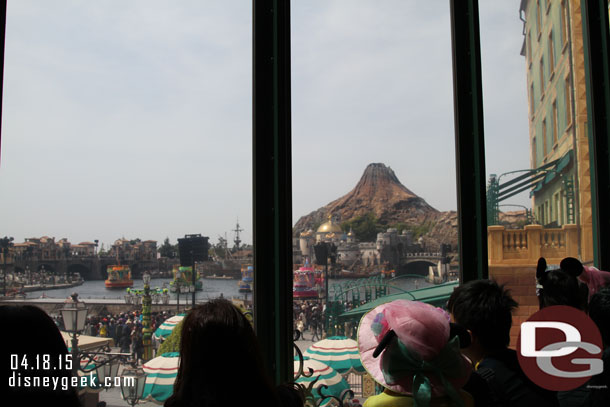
562	288
31	334
485	309
220	360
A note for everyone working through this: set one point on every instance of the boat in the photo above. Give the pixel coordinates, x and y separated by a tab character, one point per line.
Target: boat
185	281
247	278
118	277
306	282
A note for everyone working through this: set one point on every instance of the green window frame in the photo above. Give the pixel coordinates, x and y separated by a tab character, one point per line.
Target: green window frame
271	136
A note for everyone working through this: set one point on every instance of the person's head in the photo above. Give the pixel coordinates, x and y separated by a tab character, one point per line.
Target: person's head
32	334
219	351
599	312
561	288
484	308
403	343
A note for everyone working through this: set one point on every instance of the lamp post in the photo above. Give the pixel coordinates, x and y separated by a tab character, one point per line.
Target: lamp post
146	311
177	285
74	314
132	385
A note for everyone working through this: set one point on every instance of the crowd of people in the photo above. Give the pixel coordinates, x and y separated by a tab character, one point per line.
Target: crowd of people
125	329
419	354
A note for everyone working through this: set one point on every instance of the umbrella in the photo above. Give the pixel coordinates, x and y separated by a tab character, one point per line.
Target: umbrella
160	377
338	352
325	375
167	326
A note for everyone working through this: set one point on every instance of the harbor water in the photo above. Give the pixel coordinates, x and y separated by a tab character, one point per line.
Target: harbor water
212	288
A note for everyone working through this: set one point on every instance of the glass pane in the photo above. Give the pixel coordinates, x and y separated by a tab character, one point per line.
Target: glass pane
373	157
125	128
539	190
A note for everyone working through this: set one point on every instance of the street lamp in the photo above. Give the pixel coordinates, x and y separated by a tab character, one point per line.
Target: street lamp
105	364
132	385
177	285
146	311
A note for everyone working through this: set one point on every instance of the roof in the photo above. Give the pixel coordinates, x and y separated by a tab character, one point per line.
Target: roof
436	295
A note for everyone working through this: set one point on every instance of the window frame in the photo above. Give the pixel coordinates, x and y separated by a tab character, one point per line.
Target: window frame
272	156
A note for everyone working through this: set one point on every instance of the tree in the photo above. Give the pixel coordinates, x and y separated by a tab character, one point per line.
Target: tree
167	249
365	227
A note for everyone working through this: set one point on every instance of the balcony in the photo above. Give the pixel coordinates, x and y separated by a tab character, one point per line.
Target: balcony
523	247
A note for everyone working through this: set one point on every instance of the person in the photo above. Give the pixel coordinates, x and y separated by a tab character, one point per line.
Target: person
220	361
484	309
594	279
407	347
599	312
33	334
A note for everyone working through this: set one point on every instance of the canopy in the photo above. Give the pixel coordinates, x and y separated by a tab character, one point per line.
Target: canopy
167	326
86	342
160	377
326	376
338	352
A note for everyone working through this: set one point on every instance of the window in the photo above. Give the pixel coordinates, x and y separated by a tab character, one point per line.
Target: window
565	28
542	83
551	55
568	100
545	148
555	136
532	106
538	19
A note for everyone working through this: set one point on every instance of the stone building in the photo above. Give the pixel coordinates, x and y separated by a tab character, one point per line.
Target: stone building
554	61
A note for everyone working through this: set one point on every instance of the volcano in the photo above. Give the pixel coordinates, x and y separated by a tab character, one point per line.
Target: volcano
379	192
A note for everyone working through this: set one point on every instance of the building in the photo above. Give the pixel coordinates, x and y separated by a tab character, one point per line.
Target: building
554	60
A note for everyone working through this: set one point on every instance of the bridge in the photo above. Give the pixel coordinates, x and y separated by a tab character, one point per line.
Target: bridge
367	293
89	267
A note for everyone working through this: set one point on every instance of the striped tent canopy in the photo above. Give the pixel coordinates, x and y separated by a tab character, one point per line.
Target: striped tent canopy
160	377
167	326
338	352
327	375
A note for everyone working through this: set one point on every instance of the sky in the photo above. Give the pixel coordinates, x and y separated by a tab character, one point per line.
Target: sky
134	119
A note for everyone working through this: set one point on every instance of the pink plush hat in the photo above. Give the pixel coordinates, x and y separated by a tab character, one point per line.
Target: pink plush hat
406	347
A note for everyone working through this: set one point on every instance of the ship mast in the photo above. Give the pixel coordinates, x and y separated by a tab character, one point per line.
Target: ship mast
237	241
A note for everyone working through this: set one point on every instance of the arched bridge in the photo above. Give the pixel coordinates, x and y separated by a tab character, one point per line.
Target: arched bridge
89	267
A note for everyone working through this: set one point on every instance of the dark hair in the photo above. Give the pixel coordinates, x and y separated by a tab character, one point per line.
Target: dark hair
485	308
561	288
220	360
599	312
34	334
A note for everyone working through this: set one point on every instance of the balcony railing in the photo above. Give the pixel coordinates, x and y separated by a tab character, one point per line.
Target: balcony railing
526	246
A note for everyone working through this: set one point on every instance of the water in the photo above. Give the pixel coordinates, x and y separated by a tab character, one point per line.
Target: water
211	289
96	289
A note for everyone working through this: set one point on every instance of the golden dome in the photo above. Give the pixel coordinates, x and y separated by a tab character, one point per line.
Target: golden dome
329	227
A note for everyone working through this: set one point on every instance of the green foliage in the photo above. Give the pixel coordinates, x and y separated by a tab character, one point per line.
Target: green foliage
365	227
168	250
422	229
172	342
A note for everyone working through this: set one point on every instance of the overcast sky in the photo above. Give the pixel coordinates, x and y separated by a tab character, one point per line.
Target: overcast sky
133	119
